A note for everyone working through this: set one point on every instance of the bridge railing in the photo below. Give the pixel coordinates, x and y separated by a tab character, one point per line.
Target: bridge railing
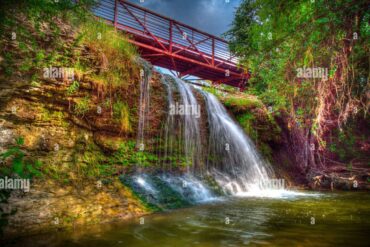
170	35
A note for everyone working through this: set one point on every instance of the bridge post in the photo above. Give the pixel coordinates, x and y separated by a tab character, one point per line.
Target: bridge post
213	51
115	12
170	30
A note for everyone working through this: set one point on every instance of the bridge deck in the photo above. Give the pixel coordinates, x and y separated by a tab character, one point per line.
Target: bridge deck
173	45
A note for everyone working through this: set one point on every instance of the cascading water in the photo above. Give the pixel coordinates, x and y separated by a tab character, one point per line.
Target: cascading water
181	138
169	134
191	133
189	187
183	117
232	158
182	133
142	181
145	74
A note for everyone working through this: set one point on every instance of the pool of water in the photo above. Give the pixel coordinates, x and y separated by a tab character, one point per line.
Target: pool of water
290	219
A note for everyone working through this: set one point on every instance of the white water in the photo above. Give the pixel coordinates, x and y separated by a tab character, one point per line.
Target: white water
182	131
189	187
169	128
145	74
278	194
233	159
195	191
142	181
191	132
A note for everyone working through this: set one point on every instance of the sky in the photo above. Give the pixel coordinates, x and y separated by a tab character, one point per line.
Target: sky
212	16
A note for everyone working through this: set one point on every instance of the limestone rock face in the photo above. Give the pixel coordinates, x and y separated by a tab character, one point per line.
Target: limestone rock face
74	152
69	127
49	206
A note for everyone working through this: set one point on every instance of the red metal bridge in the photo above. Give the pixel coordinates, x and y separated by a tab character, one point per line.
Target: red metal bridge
173	45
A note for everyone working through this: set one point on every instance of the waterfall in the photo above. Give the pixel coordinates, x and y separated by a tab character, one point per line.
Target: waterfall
167	190
233	164
145	74
232	157
169	134
191	132
189	187
183	120
142	181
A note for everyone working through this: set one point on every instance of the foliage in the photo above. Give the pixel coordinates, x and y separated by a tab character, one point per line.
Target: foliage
82	106
92	164
213	91
122	114
274	39
347	143
19	166
128	155
115	54
40	16
277	39
73	88
241	102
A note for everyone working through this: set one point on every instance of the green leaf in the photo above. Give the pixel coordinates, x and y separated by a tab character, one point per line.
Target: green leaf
5	171
18	165
323	20
19	141
8	153
33	171
38	164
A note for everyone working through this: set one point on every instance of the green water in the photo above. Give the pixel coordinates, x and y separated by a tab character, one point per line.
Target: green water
325	219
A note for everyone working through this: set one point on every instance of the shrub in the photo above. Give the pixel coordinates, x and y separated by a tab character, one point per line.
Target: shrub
122	114
73	88
19	167
82	106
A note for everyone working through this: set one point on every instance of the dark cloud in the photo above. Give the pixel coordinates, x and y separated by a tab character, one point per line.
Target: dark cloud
212	16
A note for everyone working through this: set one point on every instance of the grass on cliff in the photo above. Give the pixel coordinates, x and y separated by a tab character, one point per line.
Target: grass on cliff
111	48
38	34
121	113
35	35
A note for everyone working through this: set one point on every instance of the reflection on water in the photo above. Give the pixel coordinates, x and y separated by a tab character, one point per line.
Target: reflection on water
277	194
296	219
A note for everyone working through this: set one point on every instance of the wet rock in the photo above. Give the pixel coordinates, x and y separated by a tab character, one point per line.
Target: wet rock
48	206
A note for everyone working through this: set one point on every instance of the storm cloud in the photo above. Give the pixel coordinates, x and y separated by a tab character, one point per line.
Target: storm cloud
212	16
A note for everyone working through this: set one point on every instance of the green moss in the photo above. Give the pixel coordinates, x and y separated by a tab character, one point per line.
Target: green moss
73	88
164	198
82	106
47	115
121	114
19	165
127	155
242	102
246	121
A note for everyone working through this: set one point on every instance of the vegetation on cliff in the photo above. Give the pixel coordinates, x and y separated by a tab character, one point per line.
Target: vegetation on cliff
102	92
68	107
309	61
